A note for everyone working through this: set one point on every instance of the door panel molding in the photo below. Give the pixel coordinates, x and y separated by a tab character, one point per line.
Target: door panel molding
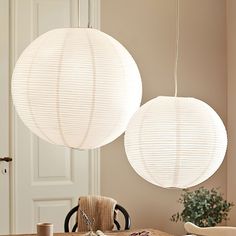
45	207
41	174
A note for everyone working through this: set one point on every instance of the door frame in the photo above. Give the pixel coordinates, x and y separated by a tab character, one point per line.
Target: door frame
4	103
94	155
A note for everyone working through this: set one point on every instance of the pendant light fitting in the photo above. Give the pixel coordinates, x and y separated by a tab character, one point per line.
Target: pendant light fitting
175	142
177	49
89	14
76	87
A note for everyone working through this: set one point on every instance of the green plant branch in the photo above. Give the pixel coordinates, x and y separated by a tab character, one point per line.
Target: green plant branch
202	207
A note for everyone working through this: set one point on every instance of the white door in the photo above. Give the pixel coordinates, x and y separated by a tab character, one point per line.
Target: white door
47	179
4	118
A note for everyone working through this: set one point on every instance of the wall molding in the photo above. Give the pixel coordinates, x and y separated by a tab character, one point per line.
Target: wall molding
94	172
94	155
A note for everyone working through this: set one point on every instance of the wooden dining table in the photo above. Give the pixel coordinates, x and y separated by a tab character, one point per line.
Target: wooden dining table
151	232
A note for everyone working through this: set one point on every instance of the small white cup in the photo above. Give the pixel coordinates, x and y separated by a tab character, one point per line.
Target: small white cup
45	229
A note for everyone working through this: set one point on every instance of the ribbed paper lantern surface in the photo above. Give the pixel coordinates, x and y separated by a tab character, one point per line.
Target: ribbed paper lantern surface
175	142
76	87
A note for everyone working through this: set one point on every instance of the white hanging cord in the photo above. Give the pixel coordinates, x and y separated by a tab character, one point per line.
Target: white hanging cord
176	49
89	14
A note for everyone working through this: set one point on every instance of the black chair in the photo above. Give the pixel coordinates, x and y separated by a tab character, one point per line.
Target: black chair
117	207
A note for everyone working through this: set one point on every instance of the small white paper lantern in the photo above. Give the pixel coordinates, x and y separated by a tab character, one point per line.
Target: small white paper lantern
76	87
175	141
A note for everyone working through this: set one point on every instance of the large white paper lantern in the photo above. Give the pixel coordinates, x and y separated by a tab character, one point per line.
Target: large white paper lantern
175	141
76	87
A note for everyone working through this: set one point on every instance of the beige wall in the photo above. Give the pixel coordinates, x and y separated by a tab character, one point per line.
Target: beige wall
147	29
231	173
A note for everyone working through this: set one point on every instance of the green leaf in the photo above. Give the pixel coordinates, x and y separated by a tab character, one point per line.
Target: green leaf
203	207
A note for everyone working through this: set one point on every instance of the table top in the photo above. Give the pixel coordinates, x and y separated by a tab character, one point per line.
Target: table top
152	232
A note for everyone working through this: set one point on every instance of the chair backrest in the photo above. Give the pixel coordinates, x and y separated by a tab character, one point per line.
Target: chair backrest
117	207
210	231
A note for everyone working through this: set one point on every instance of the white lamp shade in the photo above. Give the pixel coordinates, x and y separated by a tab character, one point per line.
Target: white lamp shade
175	142
76	87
